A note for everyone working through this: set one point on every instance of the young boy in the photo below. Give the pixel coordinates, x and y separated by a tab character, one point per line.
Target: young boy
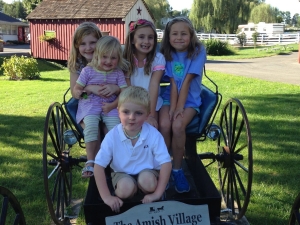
136	152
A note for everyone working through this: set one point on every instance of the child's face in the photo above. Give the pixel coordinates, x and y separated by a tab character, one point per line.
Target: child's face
109	61
180	36
132	116
143	40
87	46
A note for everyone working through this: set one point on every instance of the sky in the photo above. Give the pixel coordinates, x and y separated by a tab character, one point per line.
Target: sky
283	5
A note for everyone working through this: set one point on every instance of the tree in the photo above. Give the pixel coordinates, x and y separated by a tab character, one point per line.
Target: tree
222	15
295	20
263	13
15	9
30	5
2	3
160	9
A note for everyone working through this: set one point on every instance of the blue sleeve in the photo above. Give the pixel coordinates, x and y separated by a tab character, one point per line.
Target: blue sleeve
198	62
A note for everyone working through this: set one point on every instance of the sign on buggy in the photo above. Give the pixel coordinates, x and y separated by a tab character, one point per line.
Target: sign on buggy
162	213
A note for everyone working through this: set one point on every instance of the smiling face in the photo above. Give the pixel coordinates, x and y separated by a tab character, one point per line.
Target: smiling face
109	61
132	117
180	36
143	40
87	46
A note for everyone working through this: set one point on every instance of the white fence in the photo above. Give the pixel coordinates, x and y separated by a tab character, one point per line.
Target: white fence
264	39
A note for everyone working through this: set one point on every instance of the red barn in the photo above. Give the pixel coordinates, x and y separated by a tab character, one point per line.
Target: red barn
53	22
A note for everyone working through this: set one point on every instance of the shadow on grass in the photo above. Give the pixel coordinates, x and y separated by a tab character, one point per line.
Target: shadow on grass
276	152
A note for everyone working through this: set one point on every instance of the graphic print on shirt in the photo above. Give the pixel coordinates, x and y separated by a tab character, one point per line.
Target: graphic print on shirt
178	69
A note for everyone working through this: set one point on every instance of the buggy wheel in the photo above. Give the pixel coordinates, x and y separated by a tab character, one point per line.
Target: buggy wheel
235	162
11	211
295	212
56	163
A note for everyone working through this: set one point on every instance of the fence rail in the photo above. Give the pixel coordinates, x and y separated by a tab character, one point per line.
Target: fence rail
263	39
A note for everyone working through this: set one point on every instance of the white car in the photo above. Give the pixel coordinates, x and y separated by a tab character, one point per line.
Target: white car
160	33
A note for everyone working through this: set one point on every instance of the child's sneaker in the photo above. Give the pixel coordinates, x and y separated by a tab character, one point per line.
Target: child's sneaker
181	183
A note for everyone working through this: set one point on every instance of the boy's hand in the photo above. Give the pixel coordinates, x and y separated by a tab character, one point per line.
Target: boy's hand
150	198
114	203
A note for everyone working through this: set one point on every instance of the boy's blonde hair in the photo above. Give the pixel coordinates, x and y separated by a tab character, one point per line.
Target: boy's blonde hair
129	49
194	47
84	29
135	94
108	45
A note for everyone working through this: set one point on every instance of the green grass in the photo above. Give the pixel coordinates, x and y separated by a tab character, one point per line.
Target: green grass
272	109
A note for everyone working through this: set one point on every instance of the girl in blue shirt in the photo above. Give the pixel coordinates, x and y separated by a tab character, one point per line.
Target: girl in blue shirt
185	59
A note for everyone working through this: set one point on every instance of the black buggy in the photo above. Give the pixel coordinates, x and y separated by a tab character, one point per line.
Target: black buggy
233	154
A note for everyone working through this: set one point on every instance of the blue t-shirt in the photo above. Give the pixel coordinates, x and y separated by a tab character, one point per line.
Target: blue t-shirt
179	68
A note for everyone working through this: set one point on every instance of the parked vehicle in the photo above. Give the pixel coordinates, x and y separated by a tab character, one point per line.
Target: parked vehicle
160	33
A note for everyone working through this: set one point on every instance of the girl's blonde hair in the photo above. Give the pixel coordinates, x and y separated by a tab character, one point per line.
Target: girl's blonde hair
137	95
130	49
166	48
75	58
108	45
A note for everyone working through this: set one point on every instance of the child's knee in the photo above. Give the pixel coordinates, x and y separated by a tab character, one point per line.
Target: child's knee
91	132
147	182
126	188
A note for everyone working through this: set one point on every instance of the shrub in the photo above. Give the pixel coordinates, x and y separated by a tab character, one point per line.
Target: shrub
17	68
242	38
254	38
218	47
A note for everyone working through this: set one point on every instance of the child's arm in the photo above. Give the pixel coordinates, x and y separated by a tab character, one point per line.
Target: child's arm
73	79
77	90
164	176
173	98
108	106
153	92
112	201
183	95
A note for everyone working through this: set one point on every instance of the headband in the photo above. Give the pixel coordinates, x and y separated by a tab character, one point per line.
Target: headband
141	22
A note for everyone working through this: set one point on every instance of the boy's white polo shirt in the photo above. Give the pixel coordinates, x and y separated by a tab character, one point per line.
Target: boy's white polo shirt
149	152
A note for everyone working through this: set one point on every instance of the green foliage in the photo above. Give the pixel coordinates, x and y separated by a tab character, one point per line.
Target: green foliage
15	9
218	47
242	38
159	9
263	13
19	68
223	16
30	5
254	37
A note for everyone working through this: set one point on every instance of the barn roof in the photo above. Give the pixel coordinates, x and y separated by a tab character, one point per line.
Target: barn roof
79	9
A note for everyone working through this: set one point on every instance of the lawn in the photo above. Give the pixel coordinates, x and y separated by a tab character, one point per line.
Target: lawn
272	109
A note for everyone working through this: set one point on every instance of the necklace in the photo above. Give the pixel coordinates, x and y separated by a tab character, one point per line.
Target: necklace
134	137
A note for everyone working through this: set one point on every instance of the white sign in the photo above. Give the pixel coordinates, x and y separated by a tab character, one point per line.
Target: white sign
162	213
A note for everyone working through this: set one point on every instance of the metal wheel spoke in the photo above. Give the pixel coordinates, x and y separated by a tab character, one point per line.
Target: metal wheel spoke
241	166
238	135
241	148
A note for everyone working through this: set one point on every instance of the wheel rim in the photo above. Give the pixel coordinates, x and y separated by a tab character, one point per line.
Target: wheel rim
235	162
295	212
56	167
11	211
